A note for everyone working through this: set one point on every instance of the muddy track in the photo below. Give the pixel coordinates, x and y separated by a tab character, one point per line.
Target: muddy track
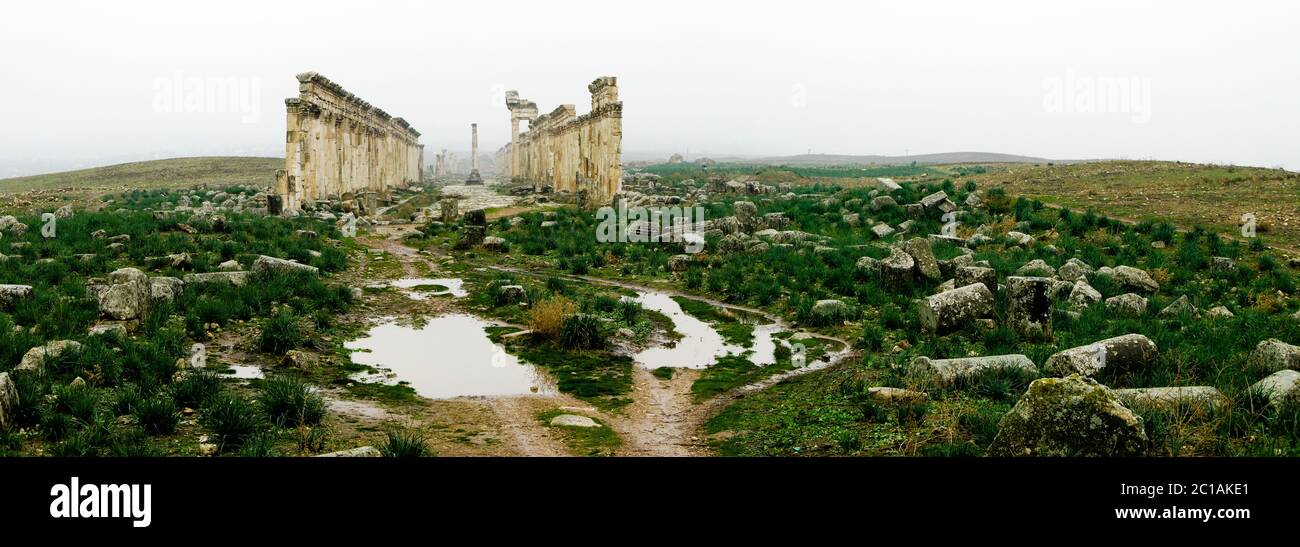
663	419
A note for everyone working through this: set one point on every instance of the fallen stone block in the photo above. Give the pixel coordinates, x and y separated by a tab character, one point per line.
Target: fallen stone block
1069	417
358	452
950	371
36	358
1192	398
950	310
11	295
237	279
1273	355
1125	353
271	264
1280	387
1029	306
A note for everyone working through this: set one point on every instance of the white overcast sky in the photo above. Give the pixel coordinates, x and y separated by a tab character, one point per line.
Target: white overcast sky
80	79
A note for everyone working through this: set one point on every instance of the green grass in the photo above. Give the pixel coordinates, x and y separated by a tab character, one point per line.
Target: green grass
603	379
406	444
734	330
168	173
584	441
663	373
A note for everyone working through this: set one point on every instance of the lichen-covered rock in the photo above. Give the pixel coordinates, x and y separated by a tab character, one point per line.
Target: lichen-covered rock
12	294
894	395
882	230
1272	355
1083	295
1019	238
1072	416
271	264
1280	387
34	360
129	295
1029	306
1223	267
237	279
493	243
967	275
830	308
950	310
746	214
950	371
1135	279
8	401
165	289
868	264
1073	270
1199	399
776	221
1179	307
733	243
1126	305
573	420
1220	312
679	263
1126	353
358	452
938	201
882	202
896	269
1036	268
923	256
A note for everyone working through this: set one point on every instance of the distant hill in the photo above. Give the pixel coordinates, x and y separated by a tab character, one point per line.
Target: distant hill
169	173
932	159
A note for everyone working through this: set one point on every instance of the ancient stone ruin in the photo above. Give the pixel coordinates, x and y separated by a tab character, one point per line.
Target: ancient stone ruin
337	145
564	152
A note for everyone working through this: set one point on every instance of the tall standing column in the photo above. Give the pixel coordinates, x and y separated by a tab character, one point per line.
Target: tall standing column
474	177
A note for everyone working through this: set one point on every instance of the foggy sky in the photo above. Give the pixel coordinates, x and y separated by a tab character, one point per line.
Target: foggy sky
81	80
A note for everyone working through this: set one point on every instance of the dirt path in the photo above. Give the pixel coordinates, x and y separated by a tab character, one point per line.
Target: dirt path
662	420
658	422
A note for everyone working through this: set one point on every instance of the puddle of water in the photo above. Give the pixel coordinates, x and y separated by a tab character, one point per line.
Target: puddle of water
700	344
454	287
450	356
244	372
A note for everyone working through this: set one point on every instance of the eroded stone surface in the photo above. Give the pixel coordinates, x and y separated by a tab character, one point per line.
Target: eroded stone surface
1071	416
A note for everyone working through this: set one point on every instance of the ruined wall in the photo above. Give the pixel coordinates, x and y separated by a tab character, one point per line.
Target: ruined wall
565	152
336	144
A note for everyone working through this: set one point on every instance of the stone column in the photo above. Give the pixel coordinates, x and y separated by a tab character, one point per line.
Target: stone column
474	177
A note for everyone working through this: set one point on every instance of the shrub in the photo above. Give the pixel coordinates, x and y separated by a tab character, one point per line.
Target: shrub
982	424
280	333
157	415
259	445
126	399
233	419
289	402
406	444
582	331
547	317
55	425
629	311
79	401
195	388
873	337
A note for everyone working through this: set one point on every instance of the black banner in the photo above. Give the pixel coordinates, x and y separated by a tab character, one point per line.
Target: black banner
507	496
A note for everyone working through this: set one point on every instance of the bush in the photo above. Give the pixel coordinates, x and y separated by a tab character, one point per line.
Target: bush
547	317
233	419
406	444
259	445
582	331
126	399
289	402
280	333
79	401
157	415
195	388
